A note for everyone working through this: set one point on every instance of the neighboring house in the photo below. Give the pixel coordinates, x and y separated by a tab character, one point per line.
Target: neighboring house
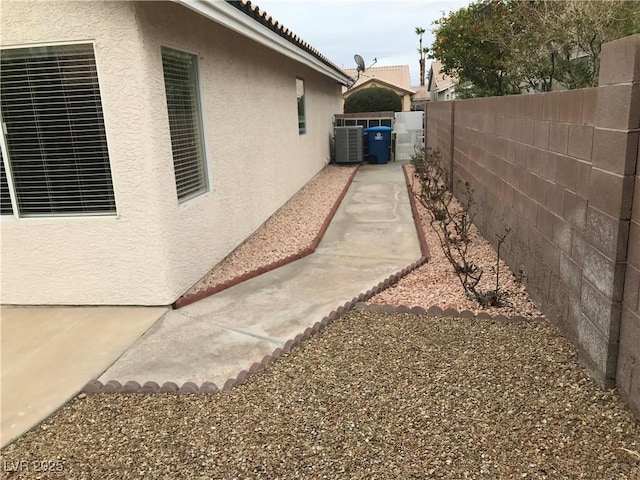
419	98
441	87
395	78
143	141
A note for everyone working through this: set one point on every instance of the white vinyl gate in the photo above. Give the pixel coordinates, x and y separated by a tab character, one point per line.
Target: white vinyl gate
409	130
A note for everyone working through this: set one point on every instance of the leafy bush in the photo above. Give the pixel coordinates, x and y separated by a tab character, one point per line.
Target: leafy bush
374	99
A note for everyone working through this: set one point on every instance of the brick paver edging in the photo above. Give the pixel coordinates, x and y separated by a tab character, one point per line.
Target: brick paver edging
114	386
424	246
207	292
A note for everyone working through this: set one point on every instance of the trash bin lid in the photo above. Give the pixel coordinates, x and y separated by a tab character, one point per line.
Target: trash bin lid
378	129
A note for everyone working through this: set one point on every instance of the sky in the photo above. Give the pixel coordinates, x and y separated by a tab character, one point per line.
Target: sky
379	29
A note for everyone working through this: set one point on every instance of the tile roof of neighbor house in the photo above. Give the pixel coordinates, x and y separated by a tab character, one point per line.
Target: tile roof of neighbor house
421	95
397	75
438	79
346	93
261	16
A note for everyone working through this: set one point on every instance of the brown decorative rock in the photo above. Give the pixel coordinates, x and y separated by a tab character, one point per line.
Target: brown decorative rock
131	387
255	367
467	314
112	386
208	388
169	387
188	387
450	312
94	386
418	310
149	387
242	377
483	316
229	384
434	311
289	344
266	360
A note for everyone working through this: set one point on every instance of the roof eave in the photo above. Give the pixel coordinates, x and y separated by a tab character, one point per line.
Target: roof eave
232	18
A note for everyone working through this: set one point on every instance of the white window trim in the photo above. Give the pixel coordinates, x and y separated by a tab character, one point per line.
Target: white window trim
304	104
185	203
5	150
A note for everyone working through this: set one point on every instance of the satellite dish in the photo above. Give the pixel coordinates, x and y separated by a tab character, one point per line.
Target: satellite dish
360	62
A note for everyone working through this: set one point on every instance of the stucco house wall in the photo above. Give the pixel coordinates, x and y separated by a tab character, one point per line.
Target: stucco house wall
156	248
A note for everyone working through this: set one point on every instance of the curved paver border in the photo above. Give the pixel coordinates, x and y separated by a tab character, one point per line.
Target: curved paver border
207	292
424	246
114	386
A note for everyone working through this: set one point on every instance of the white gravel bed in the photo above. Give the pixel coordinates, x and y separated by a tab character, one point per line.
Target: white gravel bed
435	283
374	396
288	231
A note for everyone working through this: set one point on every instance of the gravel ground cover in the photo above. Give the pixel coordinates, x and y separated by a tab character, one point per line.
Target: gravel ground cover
435	283
288	231
374	396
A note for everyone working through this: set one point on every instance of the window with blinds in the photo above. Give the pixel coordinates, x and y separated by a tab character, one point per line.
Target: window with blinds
185	122
5	196
56	141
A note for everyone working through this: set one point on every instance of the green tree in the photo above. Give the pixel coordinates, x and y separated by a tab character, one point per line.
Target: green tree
500	47
374	99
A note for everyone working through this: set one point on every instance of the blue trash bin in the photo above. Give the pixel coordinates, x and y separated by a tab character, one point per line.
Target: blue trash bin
378	143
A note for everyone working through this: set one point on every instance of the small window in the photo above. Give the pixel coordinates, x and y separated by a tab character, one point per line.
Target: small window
362	123
350	123
55	135
385	122
185	122
374	123
339	122
302	120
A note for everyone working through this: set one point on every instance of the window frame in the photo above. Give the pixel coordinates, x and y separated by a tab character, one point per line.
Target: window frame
206	189
302	130
4	146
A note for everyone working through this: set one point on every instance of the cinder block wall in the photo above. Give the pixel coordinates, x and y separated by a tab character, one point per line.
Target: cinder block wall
559	169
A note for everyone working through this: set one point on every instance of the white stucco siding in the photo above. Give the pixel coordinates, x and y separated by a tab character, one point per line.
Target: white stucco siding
91	260
155	248
255	156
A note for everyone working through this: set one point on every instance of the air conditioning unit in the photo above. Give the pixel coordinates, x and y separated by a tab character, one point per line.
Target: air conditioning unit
348	144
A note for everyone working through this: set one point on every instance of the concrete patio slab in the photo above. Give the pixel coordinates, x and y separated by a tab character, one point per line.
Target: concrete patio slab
49	354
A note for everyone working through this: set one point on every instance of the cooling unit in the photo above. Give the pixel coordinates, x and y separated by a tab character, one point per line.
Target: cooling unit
348	141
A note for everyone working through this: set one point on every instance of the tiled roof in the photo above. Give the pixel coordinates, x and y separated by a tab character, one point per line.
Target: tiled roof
397	75
438	80
254	12
376	82
422	94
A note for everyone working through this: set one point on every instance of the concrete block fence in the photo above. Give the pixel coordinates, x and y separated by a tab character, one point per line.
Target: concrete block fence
561	170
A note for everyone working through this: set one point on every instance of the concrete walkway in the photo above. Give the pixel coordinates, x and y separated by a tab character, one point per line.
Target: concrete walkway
371	237
49	354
